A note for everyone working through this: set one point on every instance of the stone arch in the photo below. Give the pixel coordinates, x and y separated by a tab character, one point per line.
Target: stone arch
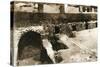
29	45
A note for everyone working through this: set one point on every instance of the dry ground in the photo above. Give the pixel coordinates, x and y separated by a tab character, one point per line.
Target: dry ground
83	47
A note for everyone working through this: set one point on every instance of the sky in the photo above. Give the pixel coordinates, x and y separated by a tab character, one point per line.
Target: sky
81	2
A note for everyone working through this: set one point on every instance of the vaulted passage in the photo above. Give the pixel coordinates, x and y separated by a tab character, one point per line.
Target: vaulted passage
31	50
29	46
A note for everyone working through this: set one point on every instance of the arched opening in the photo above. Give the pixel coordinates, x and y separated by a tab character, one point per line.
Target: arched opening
57	29
74	27
29	48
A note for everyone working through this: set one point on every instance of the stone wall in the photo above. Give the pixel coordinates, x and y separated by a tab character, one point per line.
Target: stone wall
28	19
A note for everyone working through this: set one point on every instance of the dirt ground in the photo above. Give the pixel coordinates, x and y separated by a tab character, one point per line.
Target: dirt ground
84	47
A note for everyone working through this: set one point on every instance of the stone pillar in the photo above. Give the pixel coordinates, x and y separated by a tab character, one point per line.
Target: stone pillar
17	35
40	8
61	8
80	9
15	56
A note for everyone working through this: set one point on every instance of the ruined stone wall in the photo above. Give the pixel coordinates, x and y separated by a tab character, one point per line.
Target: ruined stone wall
29	19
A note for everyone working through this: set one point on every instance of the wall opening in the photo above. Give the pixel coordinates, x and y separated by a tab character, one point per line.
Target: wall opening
29	48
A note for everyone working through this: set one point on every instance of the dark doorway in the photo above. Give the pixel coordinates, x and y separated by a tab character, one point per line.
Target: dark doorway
74	27
31	50
29	46
57	29
86	25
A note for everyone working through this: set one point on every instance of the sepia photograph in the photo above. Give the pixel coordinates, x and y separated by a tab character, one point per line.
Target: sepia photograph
52	33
